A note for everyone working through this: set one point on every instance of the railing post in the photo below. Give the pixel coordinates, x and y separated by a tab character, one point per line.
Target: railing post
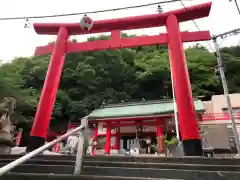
81	146
37	151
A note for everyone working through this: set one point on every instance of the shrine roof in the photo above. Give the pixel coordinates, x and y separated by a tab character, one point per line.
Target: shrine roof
143	108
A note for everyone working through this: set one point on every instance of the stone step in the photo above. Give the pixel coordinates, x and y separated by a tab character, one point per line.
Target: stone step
40	161
164	165
42	157
207	167
33	176
37	168
118	158
45	167
155	159
162	173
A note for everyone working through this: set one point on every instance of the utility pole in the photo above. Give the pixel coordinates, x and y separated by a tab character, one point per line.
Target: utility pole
175	110
225	89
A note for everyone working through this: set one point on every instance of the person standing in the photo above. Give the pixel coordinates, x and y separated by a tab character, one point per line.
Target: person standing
72	143
148	143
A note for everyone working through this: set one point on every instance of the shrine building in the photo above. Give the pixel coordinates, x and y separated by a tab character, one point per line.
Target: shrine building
126	125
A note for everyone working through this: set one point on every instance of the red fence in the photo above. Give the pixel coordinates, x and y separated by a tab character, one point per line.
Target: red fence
205	117
218	116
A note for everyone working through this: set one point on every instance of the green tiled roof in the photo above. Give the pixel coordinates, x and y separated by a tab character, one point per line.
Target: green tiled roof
139	109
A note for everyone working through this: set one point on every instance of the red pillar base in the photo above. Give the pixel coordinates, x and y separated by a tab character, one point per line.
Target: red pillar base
192	147
95	139
160	137
94	150
160	144
35	142
117	139
108	140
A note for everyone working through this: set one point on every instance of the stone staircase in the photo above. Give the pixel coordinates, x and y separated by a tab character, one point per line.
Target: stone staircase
46	167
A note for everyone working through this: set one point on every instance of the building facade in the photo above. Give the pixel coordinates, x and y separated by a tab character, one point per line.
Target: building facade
216	116
155	118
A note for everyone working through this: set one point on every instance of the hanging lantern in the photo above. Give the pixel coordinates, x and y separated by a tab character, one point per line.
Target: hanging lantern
159	9
27	24
86	23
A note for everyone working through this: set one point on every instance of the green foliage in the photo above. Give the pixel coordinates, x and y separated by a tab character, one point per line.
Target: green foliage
91	79
155	148
201	65
171	142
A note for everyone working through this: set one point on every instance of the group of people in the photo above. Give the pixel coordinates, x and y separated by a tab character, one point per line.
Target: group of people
71	146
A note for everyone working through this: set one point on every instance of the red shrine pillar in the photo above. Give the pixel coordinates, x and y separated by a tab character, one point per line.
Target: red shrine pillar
95	140
117	139
44	111
108	140
185	104
160	136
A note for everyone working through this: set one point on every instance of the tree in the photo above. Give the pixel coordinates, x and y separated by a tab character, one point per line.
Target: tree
201	65
91	79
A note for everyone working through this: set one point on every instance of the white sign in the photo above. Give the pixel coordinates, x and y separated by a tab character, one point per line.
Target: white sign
72	141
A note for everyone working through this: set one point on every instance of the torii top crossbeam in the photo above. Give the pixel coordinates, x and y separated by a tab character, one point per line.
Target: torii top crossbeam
115	26
128	23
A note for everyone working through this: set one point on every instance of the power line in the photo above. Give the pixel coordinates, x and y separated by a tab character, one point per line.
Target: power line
228	33
237	6
192	19
209	45
236	3
87	12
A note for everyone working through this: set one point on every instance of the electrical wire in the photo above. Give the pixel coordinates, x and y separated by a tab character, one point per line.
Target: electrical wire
209	45
236	3
87	12
192	19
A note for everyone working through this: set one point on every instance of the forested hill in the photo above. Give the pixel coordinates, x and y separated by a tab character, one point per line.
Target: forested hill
90	79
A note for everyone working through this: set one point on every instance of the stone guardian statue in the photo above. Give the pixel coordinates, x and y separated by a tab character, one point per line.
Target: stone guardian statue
7	107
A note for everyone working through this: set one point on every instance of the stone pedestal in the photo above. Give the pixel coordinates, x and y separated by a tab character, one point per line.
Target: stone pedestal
6	142
179	151
5	149
160	144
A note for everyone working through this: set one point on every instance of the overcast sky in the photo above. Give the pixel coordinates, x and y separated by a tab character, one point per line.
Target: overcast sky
15	40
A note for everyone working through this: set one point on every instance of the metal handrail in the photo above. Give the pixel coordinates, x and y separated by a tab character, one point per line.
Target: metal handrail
39	150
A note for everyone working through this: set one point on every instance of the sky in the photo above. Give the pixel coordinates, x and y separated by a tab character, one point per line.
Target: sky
17	41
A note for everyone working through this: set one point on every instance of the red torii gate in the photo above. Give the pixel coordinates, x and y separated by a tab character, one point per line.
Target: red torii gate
174	38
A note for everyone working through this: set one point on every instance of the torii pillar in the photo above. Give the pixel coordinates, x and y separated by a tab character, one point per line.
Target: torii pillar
174	38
